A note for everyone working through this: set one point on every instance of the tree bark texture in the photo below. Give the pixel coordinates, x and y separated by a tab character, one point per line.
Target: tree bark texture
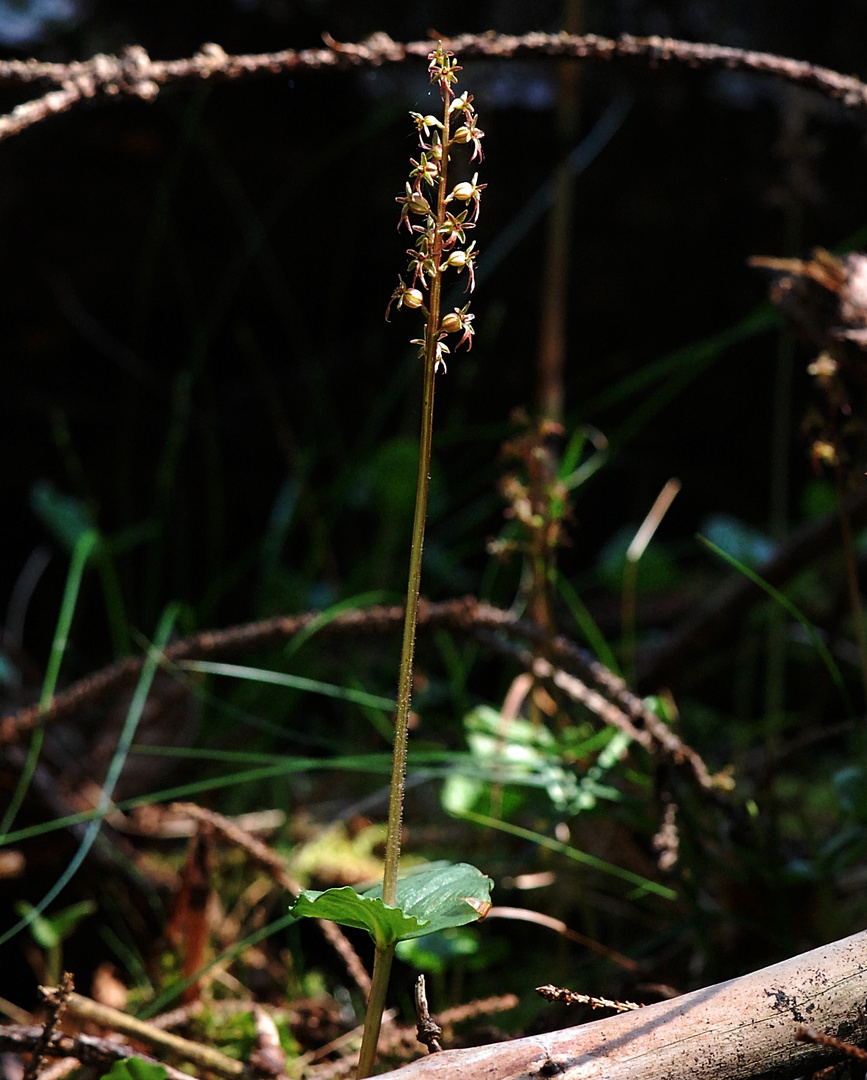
743	1028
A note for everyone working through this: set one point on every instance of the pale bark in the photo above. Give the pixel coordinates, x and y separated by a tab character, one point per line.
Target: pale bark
742	1028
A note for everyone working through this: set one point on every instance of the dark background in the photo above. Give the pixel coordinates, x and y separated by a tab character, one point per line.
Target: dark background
223	257
194	350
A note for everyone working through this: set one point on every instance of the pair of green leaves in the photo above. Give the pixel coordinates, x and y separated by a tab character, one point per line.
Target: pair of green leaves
434	897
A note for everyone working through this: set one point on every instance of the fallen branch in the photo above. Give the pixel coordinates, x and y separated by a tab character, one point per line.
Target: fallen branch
744	1029
135	74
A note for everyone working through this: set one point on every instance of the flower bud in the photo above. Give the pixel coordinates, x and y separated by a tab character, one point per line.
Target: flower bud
452	322
413	298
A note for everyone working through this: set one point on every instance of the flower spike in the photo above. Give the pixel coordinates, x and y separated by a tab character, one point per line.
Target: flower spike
440	232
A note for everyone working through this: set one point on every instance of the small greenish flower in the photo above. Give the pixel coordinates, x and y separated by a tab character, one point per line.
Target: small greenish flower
464	260
405	296
459	320
421	263
412	203
425	123
470	132
469	190
443	69
452	229
426	168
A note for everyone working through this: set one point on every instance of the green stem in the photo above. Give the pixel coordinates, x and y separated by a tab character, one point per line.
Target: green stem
375	1008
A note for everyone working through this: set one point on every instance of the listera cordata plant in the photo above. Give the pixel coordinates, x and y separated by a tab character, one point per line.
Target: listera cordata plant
438	895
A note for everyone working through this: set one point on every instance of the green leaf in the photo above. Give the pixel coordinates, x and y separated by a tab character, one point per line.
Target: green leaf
135	1069
345	906
65	922
461	793
49	930
444	894
431	898
44	933
296	682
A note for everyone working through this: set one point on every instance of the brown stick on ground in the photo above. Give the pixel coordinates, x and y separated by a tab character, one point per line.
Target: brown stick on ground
744	1028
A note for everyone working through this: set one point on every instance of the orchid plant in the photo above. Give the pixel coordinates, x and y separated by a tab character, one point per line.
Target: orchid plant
438	217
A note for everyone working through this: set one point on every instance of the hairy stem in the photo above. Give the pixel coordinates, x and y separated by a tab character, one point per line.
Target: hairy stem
383	958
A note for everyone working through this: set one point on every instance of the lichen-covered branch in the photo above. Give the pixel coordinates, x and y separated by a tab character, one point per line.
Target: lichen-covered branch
135	74
613	702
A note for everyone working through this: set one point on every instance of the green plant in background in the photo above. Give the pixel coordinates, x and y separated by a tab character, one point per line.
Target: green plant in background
135	1069
50	931
440	895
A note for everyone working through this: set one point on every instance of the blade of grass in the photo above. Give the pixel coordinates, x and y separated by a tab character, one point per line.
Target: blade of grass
586	623
421	765
361	601
296	682
136	708
178	988
644	885
816	641
80	554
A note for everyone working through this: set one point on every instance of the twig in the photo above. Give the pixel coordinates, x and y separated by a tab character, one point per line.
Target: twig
31	112
87	1049
269	1057
613	703
203	1056
457	1014
395	1038
559	927
57	999
465	614
571	997
427	1029
135	74
819	1038
611	699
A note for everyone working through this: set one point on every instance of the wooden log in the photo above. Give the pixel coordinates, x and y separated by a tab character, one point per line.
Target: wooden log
743	1028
